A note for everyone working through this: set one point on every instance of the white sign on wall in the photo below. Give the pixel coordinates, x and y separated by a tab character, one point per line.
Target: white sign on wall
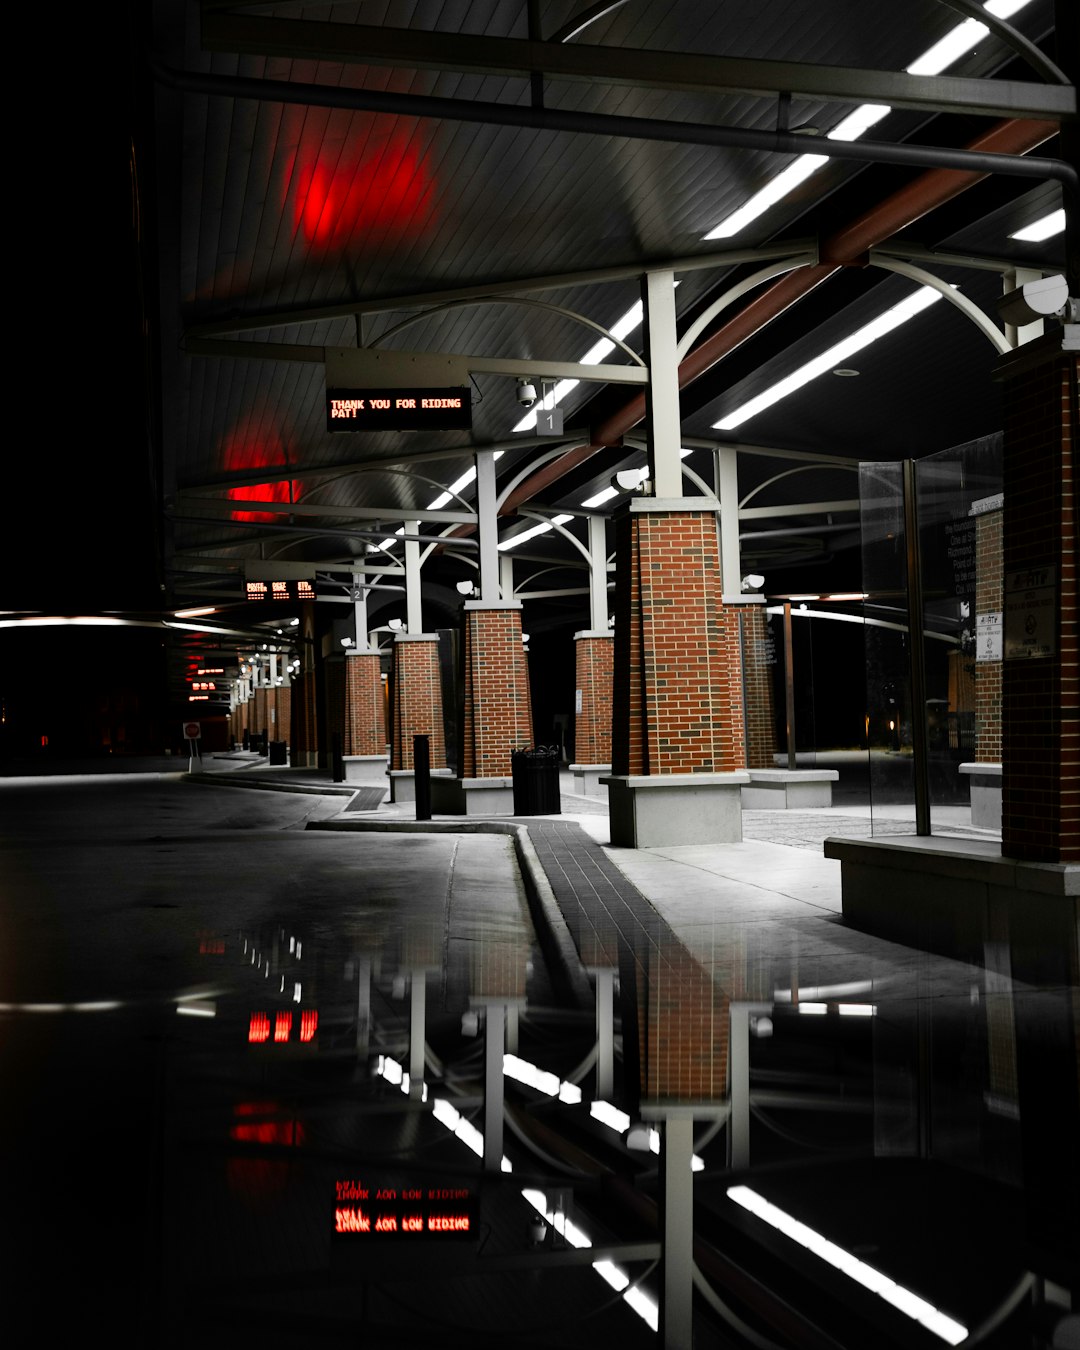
1030	613
988	645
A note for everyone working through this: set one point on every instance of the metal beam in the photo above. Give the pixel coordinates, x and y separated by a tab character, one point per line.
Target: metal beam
420	49
798	509
538	368
553	281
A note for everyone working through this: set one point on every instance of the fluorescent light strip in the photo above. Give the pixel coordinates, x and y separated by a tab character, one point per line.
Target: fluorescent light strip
1045	228
645	1307
918	1309
446	1114
548	1083
932	62
542	528
923	298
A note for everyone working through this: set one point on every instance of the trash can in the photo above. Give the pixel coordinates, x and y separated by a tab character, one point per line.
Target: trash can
536	781
277	752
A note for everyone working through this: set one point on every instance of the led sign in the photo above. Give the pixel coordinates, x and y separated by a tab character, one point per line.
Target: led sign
399	409
368	1210
287	590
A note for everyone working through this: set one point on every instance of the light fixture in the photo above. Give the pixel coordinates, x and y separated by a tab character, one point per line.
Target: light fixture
845	372
629	480
346	642
395	624
1044	228
951	48
194	613
542	528
899	314
753	582
465	588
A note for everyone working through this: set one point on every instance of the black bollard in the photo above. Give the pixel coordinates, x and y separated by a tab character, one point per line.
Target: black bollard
337	763
422	768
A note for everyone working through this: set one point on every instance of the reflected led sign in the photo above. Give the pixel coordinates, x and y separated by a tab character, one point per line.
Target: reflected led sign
399	409
371	1209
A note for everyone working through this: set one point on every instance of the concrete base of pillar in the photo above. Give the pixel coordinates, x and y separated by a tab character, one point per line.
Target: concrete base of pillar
949	895
472	796
675	808
788	789
403	784
587	778
365	769
985	795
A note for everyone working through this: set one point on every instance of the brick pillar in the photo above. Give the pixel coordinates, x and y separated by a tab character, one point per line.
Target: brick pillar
497	717
759	662
365	728
417	700
592	724
678	680
259	717
282	727
1041	686
989	603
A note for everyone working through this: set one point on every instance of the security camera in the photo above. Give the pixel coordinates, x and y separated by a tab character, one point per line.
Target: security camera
1037	299
526	392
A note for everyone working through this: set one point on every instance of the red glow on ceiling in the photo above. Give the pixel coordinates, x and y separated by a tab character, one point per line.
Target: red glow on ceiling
309	1022
355	201
258	1028
252	446
282	1026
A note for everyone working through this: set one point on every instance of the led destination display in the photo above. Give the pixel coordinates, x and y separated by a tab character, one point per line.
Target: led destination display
399	409
366	1209
288	589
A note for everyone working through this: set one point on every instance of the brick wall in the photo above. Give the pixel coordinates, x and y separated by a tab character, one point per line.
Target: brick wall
365	729
989	599
258	721
677	697
496	713
592	725
416	709
1041	696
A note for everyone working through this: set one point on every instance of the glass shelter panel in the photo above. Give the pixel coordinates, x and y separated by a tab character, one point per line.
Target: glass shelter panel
957	557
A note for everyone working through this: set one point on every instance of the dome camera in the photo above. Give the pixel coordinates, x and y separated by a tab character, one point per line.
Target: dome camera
526	392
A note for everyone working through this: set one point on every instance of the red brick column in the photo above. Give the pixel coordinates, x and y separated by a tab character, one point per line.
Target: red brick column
758	663
417	708
365	727
678	679
259	716
989	601
496	716
1041	694
592	725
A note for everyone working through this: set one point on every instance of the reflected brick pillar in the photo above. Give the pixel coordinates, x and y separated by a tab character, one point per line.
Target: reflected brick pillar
365	729
1041	693
496	716
678	679
592	725
683	1029
417	708
280	730
989	604
759	661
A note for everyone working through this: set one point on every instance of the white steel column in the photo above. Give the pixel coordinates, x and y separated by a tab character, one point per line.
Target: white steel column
360	618
598	604
605	1034
506	576
413	623
662	400
727	491
488	525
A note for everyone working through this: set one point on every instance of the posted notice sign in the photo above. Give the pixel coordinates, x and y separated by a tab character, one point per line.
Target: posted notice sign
399	409
1031	612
